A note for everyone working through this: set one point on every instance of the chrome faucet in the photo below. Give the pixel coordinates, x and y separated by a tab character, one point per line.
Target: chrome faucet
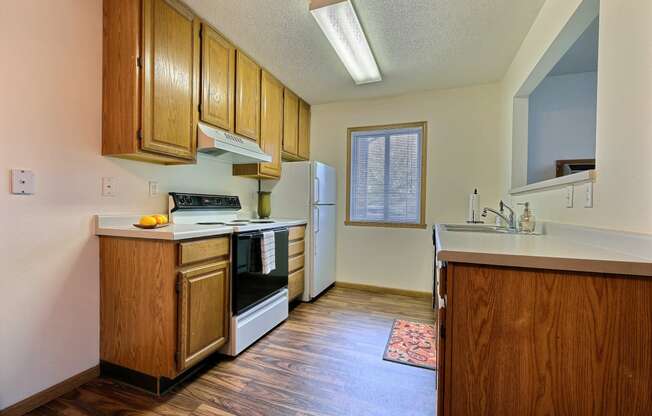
509	220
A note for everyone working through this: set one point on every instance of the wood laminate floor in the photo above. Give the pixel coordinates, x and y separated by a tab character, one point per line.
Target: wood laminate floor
325	360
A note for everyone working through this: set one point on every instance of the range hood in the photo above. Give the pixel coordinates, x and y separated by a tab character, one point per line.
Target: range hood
229	147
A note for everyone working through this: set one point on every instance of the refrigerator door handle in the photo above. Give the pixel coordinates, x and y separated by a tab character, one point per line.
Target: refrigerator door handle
316	196
316	231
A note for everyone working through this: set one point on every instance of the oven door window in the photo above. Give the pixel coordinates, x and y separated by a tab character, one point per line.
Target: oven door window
250	285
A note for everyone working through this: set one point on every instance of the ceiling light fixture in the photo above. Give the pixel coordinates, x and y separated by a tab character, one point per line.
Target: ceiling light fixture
339	22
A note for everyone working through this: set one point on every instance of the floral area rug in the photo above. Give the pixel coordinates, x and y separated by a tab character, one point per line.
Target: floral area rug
412	343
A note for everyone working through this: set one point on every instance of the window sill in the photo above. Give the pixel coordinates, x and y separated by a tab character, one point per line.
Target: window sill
586	176
385	224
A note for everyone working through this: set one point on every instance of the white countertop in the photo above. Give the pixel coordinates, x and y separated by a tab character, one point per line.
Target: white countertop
559	247
122	226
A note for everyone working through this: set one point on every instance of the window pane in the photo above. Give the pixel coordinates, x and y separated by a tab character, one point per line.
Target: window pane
386	176
368	190
404	181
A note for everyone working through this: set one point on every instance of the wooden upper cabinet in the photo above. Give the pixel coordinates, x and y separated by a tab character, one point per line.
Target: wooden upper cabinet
170	79
203	312
247	97
290	122
218	79
304	130
271	123
271	130
150	81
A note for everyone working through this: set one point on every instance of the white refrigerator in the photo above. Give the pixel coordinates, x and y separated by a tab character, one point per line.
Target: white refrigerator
309	190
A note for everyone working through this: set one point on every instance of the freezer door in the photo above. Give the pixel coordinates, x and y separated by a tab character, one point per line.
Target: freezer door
323	248
324	184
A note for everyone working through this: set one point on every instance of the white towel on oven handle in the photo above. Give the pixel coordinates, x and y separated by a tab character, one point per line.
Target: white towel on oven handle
268	252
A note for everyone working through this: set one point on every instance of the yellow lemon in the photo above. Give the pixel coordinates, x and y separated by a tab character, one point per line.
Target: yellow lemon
161	219
147	220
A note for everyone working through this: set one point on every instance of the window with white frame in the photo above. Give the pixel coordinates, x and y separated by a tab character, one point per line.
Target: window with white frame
386	175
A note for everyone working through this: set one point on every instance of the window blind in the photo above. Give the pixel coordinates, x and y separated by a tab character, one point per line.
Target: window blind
386	176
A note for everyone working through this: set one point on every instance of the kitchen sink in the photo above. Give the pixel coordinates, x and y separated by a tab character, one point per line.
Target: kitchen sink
483	228
477	228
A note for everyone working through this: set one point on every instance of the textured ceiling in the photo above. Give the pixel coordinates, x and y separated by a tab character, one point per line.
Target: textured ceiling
419	44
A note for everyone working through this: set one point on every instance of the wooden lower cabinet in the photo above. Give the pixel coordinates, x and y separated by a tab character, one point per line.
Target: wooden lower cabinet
203	320
164	305
296	262
530	342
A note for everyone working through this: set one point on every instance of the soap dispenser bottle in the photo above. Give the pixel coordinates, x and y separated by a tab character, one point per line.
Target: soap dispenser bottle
526	222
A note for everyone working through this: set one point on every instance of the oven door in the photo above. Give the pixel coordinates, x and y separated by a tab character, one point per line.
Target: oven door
250	285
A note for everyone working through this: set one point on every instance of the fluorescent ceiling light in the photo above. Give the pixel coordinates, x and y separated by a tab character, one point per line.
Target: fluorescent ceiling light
340	24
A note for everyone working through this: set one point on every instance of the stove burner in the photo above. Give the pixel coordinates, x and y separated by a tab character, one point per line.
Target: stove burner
210	223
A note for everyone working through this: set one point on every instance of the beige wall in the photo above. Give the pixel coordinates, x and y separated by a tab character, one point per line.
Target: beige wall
50	121
464	152
623	189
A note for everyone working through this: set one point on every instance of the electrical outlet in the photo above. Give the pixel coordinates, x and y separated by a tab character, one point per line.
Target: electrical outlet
108	186
22	182
153	188
569	196
588	195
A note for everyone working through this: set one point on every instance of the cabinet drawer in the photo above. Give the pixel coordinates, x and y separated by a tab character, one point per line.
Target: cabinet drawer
295	284
296	247
201	250
295	263
296	233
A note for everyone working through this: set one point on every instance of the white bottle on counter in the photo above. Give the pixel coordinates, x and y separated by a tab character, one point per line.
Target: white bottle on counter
473	214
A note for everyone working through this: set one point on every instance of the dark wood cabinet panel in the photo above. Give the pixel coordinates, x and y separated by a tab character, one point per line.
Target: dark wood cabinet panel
526	342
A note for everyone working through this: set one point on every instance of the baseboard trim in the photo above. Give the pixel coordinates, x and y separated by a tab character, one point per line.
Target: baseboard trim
383	289
51	393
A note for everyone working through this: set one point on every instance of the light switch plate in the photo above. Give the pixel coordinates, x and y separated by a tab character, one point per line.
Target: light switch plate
588	195
569	196
22	182
153	188
108	186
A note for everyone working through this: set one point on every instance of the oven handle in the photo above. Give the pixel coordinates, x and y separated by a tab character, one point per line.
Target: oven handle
259	234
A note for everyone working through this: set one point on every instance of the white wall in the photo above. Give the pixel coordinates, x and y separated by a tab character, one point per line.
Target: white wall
50	121
561	122
464	152
622	196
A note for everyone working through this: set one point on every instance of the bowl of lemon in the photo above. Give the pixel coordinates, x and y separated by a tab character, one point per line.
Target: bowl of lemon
149	222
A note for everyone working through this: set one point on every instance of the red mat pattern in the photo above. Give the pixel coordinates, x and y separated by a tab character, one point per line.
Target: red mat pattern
412	343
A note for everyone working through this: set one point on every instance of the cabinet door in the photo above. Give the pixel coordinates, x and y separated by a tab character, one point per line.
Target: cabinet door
218	79
295	284
203	312
170	79
290	122
304	130
271	123
247	97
